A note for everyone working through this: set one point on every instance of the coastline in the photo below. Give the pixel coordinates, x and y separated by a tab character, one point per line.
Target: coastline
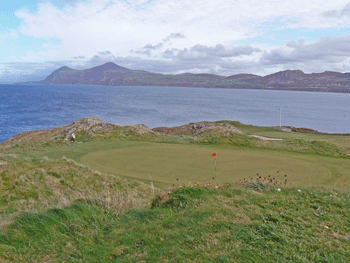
302	89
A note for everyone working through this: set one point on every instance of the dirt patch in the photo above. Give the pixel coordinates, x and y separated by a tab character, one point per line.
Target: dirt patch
266	138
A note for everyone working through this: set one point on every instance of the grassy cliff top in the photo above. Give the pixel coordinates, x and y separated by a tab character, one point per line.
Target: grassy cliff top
132	194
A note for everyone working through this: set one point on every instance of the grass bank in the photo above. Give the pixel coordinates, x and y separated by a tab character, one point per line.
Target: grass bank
191	224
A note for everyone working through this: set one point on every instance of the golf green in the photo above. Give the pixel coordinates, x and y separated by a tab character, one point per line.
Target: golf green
178	164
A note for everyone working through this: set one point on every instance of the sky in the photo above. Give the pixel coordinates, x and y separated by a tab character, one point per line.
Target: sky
223	37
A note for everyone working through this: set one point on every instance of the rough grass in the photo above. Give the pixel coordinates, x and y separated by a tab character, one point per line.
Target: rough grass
29	185
191	224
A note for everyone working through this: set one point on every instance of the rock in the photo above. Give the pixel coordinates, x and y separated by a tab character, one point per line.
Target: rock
90	125
197	128
141	129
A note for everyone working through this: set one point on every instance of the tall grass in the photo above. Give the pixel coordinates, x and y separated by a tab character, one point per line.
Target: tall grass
192	224
31	185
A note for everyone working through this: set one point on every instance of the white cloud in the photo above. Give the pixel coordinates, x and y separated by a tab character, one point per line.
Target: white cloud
329	53
344	12
10	34
121	26
176	35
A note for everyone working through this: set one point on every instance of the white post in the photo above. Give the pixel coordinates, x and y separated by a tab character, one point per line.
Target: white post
280	110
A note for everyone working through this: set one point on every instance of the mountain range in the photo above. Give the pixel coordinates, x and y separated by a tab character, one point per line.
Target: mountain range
113	75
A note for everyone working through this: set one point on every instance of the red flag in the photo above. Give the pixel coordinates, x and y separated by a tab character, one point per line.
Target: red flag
214	154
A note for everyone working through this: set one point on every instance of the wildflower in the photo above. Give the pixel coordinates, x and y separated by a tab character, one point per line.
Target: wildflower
279	189
299	190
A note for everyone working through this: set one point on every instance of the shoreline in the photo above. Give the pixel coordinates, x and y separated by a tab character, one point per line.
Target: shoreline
344	90
285	129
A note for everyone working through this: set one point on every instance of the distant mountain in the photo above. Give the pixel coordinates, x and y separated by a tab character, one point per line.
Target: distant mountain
297	78
113	75
243	77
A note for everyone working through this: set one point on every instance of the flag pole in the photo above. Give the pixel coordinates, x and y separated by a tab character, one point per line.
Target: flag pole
280	110
214	155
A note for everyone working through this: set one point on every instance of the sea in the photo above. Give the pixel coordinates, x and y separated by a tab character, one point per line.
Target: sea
36	107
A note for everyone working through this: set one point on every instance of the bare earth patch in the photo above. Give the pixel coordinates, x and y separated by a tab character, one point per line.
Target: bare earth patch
266	138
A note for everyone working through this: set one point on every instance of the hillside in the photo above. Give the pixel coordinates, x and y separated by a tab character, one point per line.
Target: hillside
113	75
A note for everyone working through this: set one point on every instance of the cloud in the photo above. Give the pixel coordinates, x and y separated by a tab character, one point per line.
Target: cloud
185	36
69	1
327	49
344	12
209	53
174	36
121	26
147	49
329	53
25	71
107	53
11	34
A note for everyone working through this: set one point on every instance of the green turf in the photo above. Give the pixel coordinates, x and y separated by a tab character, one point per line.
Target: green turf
193	224
183	163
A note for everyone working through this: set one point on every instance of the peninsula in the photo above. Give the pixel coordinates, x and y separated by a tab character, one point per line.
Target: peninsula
110	74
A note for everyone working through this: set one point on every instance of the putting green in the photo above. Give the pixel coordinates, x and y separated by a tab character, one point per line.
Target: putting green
177	164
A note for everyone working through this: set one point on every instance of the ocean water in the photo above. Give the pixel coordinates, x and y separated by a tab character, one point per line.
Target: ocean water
33	107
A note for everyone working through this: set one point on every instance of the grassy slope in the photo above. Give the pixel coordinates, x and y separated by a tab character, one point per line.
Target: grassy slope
99	217
195	224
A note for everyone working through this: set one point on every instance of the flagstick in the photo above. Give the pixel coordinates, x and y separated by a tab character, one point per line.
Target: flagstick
215	163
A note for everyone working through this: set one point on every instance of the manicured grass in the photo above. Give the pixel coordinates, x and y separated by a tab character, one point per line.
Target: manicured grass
182	163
